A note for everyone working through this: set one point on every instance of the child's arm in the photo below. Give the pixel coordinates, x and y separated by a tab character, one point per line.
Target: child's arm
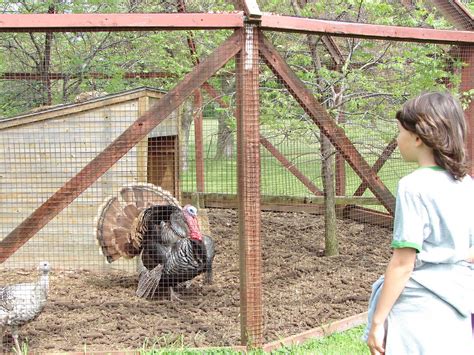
397	274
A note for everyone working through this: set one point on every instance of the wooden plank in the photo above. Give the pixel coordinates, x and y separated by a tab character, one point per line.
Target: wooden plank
467	83
290	167
455	13
386	153
316	333
252	11
325	123
108	157
365	215
119	22
248	176
361	30
71	109
231	200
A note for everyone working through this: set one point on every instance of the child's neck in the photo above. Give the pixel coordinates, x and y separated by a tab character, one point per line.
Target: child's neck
426	157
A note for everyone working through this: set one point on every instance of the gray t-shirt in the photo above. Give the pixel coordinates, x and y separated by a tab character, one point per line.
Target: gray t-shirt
434	215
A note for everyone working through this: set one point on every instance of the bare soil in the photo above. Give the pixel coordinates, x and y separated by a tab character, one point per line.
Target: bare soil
302	289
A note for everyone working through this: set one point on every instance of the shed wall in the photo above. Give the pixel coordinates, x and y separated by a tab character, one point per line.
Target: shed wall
39	157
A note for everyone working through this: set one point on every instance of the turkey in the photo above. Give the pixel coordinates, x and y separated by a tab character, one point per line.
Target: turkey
21	303
147	221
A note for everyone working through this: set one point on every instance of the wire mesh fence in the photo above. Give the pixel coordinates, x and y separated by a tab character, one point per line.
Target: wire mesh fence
96	126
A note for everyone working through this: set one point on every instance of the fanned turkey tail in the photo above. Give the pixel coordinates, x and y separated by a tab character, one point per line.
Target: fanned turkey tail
119	226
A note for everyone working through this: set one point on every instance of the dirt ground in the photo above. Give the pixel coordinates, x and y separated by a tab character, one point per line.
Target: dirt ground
302	290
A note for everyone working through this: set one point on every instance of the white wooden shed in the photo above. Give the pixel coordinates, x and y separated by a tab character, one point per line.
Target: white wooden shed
43	150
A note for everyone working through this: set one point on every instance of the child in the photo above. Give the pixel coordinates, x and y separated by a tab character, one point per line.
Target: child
424	302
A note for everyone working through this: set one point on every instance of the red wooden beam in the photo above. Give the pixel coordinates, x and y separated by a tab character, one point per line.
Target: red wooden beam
368	216
387	152
467	83
248	176
119	147
290	167
455	13
333	50
325	122
215	95
340	165
348	29
118	22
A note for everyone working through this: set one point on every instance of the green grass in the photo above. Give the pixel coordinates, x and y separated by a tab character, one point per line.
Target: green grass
345	343
276	180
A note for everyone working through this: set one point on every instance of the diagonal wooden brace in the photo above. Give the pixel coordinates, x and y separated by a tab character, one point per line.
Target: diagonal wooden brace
119	147
387	152
325	123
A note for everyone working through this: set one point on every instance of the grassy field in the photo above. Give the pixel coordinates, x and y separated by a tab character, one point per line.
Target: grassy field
276	180
345	343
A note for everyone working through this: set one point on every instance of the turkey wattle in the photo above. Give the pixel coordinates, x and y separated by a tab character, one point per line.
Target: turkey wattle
21	303
148	221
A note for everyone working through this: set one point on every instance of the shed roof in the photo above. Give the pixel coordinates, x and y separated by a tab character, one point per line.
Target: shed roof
71	108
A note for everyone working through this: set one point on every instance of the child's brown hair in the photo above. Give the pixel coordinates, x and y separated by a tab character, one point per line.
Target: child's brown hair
438	119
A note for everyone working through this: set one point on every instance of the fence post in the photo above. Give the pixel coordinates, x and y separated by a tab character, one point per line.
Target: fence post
467	83
248	172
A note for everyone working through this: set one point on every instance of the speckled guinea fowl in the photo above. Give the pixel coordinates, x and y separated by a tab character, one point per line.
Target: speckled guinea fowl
22	303
148	221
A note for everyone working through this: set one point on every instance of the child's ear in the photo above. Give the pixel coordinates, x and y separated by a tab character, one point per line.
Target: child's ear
418	141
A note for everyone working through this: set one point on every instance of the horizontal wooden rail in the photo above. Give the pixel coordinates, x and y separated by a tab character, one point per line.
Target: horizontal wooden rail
353	209
119	22
362	30
231	199
209	21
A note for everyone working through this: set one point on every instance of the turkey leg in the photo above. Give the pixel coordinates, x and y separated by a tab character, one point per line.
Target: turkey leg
174	296
15	339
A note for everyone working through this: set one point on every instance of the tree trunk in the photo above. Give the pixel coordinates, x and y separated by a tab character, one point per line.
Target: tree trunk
327	160
225	139
225	136
327	171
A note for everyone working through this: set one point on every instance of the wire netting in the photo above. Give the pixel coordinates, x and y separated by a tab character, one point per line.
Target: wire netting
96	126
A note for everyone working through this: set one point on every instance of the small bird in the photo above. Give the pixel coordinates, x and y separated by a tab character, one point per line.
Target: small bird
148	221
21	303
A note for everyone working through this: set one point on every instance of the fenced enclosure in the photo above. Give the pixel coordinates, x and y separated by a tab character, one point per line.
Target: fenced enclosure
280	129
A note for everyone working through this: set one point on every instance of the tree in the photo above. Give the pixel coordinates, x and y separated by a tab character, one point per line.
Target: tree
368	83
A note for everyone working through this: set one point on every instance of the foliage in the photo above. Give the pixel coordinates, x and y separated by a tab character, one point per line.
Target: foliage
78	56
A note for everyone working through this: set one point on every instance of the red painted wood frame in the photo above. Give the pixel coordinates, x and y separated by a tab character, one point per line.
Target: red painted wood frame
184	21
248	186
